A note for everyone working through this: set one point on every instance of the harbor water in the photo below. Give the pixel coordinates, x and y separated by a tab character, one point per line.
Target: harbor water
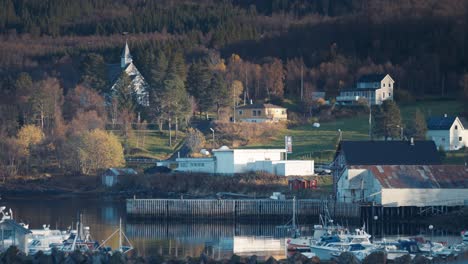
218	239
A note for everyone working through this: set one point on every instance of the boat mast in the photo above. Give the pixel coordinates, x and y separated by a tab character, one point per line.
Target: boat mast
120	234
294	213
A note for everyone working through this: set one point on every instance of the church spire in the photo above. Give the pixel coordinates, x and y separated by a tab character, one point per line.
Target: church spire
126	58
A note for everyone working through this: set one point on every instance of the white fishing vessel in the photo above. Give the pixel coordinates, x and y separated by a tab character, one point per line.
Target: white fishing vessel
45	239
325	228
358	243
392	249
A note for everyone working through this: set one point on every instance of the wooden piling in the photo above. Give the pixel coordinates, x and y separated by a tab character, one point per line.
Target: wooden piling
232	209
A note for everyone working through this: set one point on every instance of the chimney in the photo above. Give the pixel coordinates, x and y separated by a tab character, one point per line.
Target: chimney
445	115
412	141
251	102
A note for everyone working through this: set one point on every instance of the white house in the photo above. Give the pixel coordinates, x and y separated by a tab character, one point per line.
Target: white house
448	132
138	83
375	88
231	161
405	185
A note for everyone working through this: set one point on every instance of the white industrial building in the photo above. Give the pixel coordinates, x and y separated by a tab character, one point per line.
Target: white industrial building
448	132
231	161
405	185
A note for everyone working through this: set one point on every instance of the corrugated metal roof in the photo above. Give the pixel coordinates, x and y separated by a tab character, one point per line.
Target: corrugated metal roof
123	171
419	176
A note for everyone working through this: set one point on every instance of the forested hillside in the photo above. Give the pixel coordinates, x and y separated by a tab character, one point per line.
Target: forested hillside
207	55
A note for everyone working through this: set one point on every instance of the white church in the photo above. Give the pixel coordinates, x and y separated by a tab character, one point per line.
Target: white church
138	81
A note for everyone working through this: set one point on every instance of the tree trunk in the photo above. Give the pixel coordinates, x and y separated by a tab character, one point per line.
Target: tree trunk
170	134
160	124
176	127
42	120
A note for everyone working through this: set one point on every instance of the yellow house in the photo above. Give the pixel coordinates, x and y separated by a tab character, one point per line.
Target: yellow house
258	113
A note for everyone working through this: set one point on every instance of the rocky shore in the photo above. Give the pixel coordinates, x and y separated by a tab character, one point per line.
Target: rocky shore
13	255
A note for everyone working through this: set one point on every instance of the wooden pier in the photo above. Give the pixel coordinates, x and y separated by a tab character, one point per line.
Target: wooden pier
236	209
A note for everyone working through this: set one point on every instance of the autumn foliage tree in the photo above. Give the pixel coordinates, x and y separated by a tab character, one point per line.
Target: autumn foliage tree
94	150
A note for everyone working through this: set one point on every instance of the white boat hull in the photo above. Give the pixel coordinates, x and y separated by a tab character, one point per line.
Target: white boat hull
323	253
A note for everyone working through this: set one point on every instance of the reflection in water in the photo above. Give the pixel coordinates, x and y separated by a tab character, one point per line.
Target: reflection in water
216	239
179	239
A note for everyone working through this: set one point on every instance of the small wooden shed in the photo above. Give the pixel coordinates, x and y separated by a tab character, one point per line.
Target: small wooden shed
301	183
111	176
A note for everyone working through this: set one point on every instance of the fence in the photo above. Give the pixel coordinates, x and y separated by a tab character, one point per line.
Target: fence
236	209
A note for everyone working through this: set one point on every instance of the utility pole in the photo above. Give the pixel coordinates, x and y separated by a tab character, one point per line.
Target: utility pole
370	114
302	83
246	86
234	105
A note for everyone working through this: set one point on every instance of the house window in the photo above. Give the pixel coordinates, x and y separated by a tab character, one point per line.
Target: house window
283	112
254	112
384	85
240	112
259	112
389	94
443	139
460	139
456	127
389	85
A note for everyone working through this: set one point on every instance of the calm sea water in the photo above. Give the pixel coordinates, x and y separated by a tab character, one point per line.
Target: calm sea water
171	238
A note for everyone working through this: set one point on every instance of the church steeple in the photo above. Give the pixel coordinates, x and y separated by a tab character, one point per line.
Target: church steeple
126	58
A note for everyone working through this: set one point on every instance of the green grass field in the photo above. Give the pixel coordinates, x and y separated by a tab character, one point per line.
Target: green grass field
152	144
308	142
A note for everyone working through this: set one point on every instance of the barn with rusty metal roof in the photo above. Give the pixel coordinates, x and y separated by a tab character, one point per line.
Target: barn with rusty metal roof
405	185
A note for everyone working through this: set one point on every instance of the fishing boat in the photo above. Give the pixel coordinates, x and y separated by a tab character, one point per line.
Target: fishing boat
45	239
122	248
464	235
79	239
392	249
325	228
358	243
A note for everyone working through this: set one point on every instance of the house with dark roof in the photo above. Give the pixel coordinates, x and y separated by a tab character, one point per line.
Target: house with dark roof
448	132
374	88
365	153
405	185
259	113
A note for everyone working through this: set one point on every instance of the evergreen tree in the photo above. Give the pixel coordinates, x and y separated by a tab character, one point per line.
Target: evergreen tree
125	94
179	64
175	106
418	126
23	90
198	82
156	91
219	93
387	120
94	73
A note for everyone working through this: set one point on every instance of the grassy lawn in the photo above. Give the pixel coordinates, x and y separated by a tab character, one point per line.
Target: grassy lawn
320	143
152	144
308	142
